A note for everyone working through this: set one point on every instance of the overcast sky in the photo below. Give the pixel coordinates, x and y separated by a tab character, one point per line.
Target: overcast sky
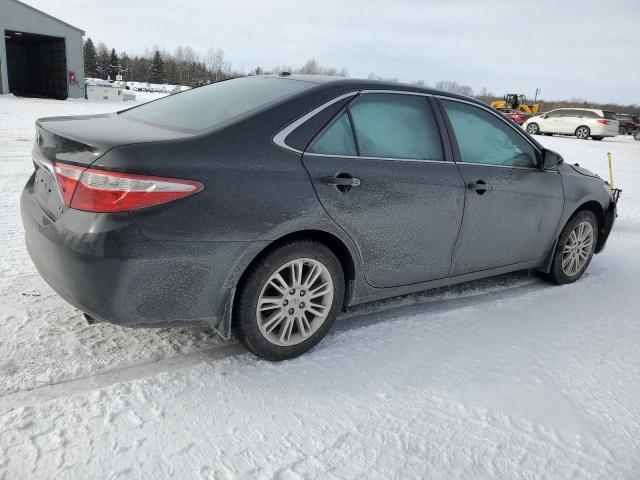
569	49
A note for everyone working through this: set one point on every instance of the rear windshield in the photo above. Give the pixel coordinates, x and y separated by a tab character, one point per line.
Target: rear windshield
610	115
207	107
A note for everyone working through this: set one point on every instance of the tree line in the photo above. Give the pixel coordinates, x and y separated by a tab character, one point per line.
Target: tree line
185	66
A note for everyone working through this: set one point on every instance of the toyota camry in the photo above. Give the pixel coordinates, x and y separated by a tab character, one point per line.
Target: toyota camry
265	205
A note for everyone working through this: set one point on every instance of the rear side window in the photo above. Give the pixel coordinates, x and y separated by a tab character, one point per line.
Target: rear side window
396	126
207	107
610	115
485	139
386	125
337	139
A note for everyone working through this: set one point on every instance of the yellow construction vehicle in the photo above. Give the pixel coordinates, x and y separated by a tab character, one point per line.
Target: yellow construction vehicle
516	101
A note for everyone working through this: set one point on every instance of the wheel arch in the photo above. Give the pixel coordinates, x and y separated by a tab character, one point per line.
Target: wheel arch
595	208
590	205
338	246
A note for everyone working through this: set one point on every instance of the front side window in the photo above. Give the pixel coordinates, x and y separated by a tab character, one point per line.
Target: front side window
386	125
485	139
554	114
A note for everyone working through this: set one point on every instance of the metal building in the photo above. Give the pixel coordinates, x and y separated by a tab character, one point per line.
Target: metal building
39	54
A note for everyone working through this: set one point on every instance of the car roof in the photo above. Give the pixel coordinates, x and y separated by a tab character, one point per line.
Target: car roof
364	84
596	110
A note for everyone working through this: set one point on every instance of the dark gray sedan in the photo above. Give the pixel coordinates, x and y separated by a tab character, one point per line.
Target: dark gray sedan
264	205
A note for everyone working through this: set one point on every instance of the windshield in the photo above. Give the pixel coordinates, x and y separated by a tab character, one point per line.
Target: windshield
212	105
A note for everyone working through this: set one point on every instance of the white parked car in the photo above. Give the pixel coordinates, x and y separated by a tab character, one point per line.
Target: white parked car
581	122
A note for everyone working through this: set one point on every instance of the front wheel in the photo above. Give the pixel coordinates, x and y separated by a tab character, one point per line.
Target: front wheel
583	133
533	129
622	130
289	300
575	249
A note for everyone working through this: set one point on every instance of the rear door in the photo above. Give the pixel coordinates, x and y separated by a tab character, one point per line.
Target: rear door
381	172
512	207
570	120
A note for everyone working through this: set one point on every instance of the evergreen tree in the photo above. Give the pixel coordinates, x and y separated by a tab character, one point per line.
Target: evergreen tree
90	59
156	72
113	67
125	66
103	61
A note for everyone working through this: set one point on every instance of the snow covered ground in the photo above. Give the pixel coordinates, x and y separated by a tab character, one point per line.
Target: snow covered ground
502	378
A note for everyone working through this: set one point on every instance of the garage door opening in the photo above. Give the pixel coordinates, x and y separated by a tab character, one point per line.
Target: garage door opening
36	65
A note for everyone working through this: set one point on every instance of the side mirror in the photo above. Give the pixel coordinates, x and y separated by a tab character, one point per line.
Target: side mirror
550	160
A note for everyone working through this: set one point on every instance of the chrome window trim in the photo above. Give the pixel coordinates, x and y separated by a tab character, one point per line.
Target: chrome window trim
399	159
280	138
506	166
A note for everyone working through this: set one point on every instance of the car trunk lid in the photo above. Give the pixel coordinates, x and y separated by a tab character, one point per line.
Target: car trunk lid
80	141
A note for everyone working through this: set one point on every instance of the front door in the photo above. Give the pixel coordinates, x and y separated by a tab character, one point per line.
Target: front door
380	172
512	207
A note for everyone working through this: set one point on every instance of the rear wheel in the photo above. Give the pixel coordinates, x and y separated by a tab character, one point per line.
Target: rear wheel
583	132
575	249
622	130
289	300
533	129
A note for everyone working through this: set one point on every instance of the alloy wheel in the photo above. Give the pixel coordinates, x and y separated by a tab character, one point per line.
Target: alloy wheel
582	133
577	250
294	301
532	129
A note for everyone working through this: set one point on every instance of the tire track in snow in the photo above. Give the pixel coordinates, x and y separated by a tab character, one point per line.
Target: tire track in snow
359	317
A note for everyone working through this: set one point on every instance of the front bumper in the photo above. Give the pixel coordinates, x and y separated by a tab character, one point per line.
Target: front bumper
610	215
104	266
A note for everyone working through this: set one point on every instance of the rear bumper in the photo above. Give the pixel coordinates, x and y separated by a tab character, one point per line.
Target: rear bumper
104	266
600	130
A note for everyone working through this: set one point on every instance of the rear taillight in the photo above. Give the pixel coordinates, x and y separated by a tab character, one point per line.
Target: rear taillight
95	190
603	121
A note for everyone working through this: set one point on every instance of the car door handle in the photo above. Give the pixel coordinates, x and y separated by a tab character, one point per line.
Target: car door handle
479	187
342	181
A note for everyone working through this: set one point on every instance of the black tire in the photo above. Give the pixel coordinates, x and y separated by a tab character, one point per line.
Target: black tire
597	138
245	318
583	132
533	129
622	130
557	274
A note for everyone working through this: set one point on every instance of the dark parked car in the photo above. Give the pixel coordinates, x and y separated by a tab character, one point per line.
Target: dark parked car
265	205
628	123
